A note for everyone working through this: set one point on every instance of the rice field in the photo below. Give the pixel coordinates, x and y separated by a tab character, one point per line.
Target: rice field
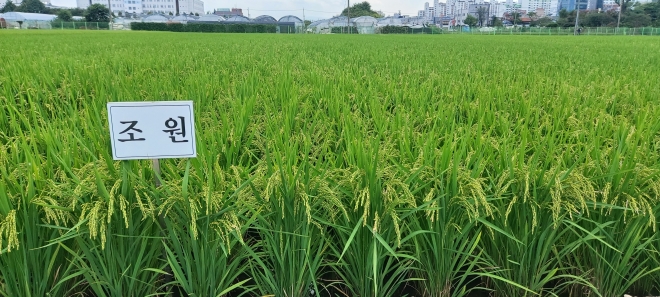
373	166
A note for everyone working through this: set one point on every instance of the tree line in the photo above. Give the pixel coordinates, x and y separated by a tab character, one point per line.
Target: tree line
634	15
361	9
36	6
94	13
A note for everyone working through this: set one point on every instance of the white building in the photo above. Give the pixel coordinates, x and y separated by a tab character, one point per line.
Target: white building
610	5
117	6
497	9
148	6
458	10
191	6
549	6
431	12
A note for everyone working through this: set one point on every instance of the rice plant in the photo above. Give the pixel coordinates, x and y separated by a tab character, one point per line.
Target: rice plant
333	166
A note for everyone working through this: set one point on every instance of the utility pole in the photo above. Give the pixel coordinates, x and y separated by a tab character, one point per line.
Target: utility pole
110	9
577	17
348	15
304	23
618	22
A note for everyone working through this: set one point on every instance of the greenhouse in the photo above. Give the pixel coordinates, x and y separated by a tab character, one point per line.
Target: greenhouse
183	19
319	27
23	20
297	23
238	19
162	19
211	18
360	25
341	21
265	19
365	24
390	21
417	22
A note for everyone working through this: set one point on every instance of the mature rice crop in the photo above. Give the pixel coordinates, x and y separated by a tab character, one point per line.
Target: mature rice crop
334	166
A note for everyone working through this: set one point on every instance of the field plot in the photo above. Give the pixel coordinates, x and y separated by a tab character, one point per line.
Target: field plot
334	166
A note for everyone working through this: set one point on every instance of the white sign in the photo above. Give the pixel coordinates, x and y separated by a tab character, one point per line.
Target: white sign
152	130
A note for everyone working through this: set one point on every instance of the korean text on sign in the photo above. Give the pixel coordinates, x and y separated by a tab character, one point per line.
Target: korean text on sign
152	130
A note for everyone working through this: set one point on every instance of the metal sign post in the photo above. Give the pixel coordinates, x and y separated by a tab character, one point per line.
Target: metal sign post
152	130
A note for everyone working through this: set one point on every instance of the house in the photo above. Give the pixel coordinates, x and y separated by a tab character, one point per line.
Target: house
525	21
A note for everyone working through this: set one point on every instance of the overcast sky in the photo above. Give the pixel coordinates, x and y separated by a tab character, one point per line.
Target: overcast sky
314	9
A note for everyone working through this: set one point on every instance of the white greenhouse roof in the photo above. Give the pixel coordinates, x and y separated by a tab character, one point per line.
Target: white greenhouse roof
24	16
340	21
290	19
156	18
238	18
211	18
265	19
365	21
183	18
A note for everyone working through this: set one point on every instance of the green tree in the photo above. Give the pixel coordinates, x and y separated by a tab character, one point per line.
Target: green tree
635	20
652	10
532	15
496	22
64	15
196	14
9	7
97	13
514	17
32	6
482	15
543	22
471	21
361	9
77	12
566	19
598	20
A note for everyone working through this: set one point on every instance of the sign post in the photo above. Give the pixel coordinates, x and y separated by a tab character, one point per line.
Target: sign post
152	130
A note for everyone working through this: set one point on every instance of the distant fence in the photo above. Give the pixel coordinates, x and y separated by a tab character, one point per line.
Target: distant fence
81	25
558	31
507	31
224	27
54	25
205	27
292	28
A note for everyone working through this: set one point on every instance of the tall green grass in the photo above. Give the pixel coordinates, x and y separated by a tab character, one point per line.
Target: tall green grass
334	166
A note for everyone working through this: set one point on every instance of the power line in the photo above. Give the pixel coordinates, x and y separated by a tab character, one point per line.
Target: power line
322	11
290	10
278	10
